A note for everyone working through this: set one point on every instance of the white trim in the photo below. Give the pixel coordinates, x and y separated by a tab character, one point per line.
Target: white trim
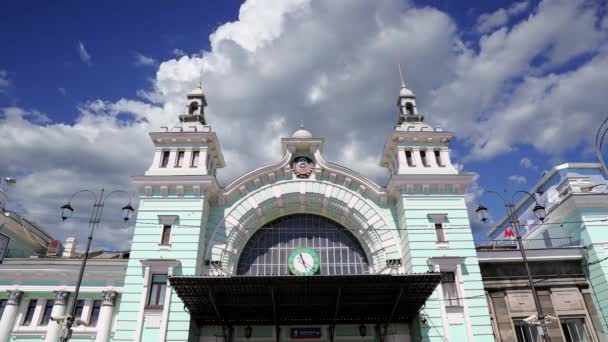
463	302
142	300
71	289
166	308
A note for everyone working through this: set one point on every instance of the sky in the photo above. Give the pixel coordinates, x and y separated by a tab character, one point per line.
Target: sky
521	84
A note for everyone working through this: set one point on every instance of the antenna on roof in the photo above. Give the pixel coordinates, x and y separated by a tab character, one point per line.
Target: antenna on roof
401	75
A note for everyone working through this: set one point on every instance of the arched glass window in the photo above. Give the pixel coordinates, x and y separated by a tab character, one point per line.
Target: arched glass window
268	250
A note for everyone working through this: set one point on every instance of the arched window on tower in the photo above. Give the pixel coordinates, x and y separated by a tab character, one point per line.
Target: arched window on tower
409	108
193	107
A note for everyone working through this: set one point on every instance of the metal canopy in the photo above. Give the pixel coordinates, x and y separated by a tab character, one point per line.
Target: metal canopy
276	300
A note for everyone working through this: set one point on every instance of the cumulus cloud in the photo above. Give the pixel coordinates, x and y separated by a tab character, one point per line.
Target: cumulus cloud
332	64
489	21
514	90
143	60
526	163
178	52
84	55
518	179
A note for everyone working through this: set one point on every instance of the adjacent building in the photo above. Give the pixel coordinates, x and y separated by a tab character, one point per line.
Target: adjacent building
568	259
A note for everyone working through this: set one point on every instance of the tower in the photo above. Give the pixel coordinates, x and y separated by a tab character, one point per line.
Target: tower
429	197
174	205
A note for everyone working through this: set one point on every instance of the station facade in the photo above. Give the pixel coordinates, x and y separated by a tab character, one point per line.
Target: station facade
302	248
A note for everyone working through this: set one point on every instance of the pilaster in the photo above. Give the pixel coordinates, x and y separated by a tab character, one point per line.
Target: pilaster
59	304
10	313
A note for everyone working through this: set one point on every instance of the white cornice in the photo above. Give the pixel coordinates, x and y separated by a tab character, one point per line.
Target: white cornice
191	137
396	137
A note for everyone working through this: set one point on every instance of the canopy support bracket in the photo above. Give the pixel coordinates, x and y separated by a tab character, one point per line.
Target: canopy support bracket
332	332
392	314
275	314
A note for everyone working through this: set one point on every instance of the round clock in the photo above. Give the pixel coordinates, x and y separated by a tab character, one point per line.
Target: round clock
303	261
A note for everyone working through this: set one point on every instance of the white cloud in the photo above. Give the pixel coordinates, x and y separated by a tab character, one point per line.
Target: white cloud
178	52
144	60
512	91
84	55
517	179
526	163
62	91
489	21
287	61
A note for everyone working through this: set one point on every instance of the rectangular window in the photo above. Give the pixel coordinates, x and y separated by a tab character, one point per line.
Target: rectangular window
95	313
164	161
425	161
48	308
195	155
29	313
166	235
438	158
526	332
179	161
575	330
156	297
450	293
440	232
2	306
408	157
79	308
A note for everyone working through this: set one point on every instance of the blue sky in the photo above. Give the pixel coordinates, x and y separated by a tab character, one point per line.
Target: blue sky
520	84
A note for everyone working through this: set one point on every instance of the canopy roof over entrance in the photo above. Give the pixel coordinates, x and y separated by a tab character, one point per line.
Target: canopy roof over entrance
276	300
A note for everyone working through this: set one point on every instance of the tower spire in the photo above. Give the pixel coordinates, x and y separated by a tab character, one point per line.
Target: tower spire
407	103
401	75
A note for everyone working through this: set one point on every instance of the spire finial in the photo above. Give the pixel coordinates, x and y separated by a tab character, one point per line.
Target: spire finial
301	123
401	75
200	80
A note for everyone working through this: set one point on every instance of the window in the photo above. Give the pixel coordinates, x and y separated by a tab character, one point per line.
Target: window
79	308
526	332
95	313
193	107
2	306
408	157
166	234
450	293
423	156
156	298
409	108
195	155
164	159
29	313
438	158
439	232
179	162
48	308
575	330
268	250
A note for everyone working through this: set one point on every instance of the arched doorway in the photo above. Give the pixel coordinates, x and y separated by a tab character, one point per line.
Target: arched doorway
268	251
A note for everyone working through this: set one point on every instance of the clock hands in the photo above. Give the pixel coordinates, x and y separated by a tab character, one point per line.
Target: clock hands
302	260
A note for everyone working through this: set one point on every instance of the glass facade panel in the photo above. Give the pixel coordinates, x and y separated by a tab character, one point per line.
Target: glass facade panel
268	250
574	330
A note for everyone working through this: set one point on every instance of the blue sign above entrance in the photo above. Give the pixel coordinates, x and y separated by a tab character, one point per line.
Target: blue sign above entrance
305	333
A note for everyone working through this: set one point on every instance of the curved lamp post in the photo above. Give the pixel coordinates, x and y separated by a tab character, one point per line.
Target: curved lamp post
599	144
540	212
66	212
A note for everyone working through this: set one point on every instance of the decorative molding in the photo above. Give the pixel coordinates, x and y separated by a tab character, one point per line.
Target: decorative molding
14	297
171	220
437	218
61	297
108	297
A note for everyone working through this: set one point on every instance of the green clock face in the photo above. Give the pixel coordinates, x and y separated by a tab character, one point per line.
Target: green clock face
303	261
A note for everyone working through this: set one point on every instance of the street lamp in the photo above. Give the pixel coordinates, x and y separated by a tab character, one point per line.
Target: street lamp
540	212
599	143
66	212
8	180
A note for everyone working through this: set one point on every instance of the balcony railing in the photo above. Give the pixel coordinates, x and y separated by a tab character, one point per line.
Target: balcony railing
528	243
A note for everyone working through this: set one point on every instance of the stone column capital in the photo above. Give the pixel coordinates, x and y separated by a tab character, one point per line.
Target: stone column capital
14	297
108	297
61	297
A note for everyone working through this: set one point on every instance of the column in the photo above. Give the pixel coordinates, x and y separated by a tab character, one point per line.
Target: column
401	161
416	157
10	312
54	329
106	313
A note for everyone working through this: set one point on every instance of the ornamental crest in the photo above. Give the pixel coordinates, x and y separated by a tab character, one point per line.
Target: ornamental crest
302	167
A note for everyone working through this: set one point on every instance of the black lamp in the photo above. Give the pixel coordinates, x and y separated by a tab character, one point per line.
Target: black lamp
127	212
248	331
66	211
540	212
482	213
